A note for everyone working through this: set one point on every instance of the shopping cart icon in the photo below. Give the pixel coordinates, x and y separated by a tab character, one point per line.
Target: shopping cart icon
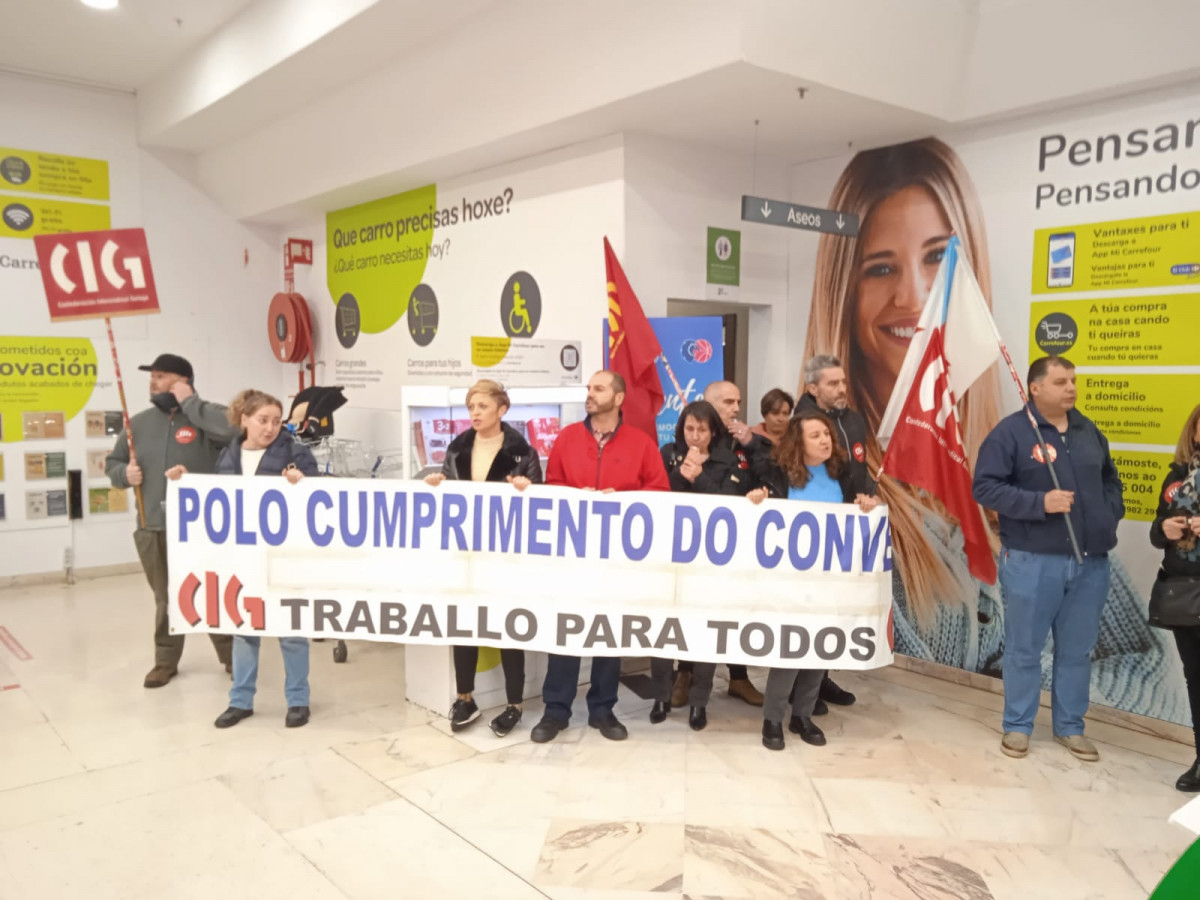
1053	330
424	316
348	320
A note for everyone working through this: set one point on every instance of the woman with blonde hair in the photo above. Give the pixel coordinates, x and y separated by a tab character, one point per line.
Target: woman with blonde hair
264	447
868	293
490	450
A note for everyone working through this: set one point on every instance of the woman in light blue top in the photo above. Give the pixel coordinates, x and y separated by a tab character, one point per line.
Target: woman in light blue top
806	464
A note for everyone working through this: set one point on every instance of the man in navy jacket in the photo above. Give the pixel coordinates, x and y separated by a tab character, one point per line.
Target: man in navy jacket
1045	589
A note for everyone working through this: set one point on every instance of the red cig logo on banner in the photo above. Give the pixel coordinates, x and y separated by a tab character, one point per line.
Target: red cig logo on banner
94	274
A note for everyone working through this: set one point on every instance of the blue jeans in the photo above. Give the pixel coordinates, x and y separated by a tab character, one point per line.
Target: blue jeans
245	671
1045	594
562	681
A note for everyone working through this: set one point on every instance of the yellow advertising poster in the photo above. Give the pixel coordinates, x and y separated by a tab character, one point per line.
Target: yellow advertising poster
1120	331
44	382
1125	254
1139	408
53	173
1142	474
27	217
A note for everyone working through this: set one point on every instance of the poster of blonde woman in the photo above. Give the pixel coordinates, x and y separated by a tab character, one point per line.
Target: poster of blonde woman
867	293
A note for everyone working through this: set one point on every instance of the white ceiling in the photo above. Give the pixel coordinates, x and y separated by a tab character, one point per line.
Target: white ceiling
121	48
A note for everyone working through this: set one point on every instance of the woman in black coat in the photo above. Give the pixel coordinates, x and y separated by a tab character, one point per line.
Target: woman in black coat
701	461
1176	531
489	451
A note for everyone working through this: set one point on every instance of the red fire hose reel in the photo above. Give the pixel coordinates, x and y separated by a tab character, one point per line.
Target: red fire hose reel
289	323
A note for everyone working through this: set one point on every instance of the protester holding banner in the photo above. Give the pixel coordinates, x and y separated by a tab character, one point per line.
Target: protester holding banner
825	390
489	451
1056	530
701	461
597	454
178	429
263	448
1175	599
726	398
808	464
776	408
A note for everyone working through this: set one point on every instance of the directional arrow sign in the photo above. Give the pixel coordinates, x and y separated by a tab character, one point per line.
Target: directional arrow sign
792	215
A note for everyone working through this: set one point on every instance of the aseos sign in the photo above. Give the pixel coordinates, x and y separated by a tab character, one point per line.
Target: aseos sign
95	274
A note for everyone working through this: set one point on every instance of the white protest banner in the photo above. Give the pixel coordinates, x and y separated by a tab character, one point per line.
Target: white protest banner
787	583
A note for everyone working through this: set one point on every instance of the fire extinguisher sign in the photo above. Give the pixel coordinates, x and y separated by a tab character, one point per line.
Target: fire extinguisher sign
94	274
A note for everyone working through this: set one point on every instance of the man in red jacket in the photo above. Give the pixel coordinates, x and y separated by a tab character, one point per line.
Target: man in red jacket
597	454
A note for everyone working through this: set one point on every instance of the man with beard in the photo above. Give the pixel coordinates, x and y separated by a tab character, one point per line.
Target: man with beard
826	390
598	454
178	429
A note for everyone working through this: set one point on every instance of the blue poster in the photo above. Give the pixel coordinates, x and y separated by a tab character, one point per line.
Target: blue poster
693	348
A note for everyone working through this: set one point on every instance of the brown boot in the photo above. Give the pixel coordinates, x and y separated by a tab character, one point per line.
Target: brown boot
683	684
744	690
160	675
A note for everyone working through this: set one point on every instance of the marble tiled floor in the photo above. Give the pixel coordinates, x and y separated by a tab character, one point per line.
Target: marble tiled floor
108	790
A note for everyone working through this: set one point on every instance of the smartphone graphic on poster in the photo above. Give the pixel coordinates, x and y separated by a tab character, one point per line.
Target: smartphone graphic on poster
1061	266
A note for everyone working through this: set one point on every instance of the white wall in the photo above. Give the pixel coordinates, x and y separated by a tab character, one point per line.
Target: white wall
564	203
213	301
674	192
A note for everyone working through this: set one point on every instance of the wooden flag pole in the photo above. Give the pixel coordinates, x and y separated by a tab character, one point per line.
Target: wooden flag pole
137	488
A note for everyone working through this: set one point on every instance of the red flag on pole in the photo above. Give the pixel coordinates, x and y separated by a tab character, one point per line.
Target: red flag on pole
926	451
632	350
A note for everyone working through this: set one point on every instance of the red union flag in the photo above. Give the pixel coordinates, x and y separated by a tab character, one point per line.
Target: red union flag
632	349
926	451
96	274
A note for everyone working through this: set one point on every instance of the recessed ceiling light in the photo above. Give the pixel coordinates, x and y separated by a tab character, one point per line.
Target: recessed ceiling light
100	4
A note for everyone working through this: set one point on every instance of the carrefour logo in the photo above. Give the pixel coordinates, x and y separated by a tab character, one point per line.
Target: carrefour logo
696	350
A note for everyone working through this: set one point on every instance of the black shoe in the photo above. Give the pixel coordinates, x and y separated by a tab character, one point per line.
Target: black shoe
658	712
232	716
296	716
820	709
831	693
546	730
462	714
698	718
809	733
772	735
611	727
506	721
1189	781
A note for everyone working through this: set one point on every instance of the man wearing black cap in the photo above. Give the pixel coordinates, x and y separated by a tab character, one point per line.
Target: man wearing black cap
179	429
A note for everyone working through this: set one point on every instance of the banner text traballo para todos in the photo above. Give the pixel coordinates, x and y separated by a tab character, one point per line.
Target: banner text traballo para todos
554	569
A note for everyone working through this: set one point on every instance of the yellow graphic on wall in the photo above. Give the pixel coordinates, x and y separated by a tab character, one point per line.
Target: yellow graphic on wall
1140	408
1142	474
43	373
1124	254
27	217
489	351
53	173
1156	330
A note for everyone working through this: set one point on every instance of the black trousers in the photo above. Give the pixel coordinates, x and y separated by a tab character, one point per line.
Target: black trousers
1188	642
466	659
736	672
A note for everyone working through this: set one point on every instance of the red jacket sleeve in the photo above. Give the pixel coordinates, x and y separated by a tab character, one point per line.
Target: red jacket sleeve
654	473
554	465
